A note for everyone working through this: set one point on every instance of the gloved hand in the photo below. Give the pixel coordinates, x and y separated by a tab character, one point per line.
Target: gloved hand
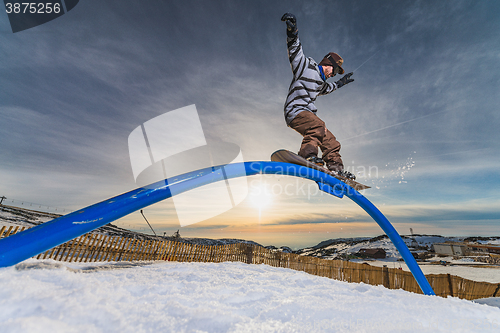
344	80
291	25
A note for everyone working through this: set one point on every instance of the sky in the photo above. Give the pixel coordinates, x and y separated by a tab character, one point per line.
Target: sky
421	116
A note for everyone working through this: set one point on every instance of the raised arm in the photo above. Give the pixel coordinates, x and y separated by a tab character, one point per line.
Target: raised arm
295	54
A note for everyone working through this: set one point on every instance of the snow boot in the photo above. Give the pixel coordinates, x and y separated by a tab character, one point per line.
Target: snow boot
316	160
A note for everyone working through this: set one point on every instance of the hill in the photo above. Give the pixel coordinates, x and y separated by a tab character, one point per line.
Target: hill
22	217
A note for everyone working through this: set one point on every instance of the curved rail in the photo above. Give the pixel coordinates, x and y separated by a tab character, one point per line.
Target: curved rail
41	238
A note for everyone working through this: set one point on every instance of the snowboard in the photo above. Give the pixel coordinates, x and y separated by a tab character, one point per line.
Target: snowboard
287	156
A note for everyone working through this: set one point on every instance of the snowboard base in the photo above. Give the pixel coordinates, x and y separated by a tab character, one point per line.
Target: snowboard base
287	156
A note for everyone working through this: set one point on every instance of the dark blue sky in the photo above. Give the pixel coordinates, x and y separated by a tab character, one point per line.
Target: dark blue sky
422	111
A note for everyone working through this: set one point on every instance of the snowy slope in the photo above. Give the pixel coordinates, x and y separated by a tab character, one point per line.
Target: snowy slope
225	297
15	216
335	248
22	217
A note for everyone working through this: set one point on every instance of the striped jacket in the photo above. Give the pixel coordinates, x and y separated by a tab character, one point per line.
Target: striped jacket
307	83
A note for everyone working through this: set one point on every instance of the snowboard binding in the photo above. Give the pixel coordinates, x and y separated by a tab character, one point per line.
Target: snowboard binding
346	174
316	160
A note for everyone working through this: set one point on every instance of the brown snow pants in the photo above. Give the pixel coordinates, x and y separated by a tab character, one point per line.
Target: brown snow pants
317	135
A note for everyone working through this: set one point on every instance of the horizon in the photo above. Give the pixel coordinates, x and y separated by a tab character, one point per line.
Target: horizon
419	124
293	248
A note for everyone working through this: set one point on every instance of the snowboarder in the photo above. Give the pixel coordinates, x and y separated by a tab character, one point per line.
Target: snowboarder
309	82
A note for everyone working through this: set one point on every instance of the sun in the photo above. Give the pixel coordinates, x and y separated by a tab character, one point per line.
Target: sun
260	195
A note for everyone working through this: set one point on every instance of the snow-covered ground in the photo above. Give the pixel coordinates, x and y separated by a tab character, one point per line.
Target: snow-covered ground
491	242
353	245
332	248
225	297
12	216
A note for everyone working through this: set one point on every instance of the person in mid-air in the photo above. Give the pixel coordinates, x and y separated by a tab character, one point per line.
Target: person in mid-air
309	82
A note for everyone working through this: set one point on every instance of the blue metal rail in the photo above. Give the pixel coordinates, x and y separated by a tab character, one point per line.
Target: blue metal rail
41	238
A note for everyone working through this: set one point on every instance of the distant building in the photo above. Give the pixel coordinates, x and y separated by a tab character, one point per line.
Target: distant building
489	248
450	249
373	253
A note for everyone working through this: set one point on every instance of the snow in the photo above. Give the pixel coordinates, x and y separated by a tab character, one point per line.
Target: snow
489	242
10	216
492	301
385	244
427	240
48	296
353	245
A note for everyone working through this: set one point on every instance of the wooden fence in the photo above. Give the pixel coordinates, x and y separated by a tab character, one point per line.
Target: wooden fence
94	247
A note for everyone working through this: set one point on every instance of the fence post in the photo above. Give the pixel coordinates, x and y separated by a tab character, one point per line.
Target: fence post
249	253
450	282
496	291
385	277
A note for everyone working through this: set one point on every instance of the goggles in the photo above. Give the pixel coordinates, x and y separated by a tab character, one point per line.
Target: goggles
336	68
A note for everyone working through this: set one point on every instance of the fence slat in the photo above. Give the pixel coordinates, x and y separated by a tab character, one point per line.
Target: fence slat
147	252
75	249
124	249
100	251
71	248
119	249
88	247
109	246
137	252
130	251
2	230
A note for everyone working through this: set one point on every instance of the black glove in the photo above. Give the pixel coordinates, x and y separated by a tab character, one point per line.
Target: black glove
344	80
291	25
